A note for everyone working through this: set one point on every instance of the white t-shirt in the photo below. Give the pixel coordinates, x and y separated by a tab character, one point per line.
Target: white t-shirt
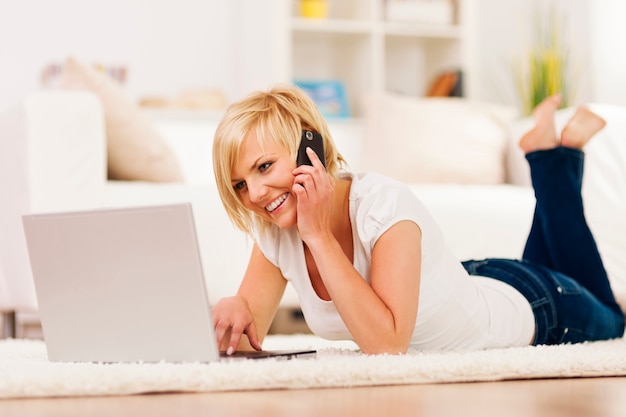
455	310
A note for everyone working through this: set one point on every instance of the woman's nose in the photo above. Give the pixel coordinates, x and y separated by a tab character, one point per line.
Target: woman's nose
257	191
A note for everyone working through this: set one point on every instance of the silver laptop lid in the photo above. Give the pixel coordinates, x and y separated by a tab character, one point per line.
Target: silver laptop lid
121	285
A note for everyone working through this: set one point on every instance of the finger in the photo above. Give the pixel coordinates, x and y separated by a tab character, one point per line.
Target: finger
303	183
253	336
221	330
235	337
315	160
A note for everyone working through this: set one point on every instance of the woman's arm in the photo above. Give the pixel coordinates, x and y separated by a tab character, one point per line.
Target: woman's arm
381	316
252	310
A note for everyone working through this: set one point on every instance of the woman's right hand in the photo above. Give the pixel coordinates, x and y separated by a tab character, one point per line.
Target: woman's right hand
233	318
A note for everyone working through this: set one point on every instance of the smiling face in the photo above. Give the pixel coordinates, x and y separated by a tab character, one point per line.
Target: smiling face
262	178
276	116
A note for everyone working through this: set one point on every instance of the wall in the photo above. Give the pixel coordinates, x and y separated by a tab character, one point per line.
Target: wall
500	32
172	45
608	59
167	45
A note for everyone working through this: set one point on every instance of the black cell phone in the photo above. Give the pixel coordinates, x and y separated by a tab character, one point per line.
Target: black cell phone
314	141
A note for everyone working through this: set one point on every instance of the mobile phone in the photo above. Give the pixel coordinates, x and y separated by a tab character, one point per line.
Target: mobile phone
314	141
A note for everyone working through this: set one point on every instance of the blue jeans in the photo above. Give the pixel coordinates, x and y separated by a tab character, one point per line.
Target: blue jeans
561	271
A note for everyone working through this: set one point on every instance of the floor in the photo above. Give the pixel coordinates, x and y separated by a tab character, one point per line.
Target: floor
596	397
575	397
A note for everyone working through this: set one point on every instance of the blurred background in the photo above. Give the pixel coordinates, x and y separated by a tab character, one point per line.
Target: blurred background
160	48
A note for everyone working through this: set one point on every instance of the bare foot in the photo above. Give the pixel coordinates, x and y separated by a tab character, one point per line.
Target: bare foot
581	128
543	135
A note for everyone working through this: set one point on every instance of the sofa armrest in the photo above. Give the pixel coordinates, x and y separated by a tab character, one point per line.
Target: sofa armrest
66	150
52	157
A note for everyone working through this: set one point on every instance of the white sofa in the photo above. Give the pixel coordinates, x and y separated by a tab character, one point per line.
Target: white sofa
53	157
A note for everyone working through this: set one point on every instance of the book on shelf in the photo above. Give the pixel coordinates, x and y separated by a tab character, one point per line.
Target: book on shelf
447	84
329	95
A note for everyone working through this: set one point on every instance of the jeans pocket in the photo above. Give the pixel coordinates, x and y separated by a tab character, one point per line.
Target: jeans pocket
563	284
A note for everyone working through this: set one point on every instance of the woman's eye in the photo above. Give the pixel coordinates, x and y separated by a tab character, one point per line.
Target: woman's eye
239	186
264	166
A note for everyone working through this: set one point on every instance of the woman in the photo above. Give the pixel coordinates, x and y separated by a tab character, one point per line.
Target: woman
370	264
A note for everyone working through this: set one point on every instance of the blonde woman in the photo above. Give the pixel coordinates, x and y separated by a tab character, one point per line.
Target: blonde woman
370	264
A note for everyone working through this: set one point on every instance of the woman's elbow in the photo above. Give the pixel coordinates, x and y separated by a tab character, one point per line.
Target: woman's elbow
398	348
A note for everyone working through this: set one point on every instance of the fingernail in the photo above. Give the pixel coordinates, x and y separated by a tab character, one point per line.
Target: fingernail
230	350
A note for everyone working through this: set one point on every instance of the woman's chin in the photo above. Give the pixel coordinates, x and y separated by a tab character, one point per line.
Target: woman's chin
284	220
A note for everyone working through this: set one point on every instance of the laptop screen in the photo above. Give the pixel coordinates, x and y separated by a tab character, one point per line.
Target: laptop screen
121	285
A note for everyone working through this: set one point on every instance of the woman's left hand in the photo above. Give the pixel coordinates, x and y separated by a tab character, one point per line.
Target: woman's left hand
314	189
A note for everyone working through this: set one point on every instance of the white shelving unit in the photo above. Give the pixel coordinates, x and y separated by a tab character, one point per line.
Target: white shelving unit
358	46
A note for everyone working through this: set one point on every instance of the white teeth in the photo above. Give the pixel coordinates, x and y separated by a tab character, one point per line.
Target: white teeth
271	207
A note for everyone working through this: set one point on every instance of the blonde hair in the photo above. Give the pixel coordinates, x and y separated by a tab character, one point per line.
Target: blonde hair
278	114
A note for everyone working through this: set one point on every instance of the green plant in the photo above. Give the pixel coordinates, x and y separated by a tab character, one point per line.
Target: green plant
546	68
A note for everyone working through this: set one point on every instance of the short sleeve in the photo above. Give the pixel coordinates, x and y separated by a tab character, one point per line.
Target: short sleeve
381	202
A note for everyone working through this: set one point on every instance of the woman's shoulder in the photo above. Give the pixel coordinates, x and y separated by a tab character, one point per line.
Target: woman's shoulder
371	180
374	184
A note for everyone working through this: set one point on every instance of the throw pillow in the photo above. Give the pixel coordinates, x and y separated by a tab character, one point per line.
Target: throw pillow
135	150
436	140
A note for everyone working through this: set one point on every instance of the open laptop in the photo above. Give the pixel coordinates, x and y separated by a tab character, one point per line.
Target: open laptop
123	285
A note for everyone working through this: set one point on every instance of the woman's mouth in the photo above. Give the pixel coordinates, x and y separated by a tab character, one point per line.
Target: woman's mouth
276	203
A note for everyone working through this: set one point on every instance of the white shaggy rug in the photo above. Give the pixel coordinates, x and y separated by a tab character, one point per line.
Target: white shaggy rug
26	372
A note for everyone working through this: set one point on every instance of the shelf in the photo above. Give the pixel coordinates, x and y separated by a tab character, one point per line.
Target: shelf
367	53
331	26
359	27
422	30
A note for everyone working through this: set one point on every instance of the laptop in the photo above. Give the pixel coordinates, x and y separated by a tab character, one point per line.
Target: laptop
124	285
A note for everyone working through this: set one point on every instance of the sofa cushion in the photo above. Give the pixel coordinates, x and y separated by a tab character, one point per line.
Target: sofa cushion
135	150
436	140
480	221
